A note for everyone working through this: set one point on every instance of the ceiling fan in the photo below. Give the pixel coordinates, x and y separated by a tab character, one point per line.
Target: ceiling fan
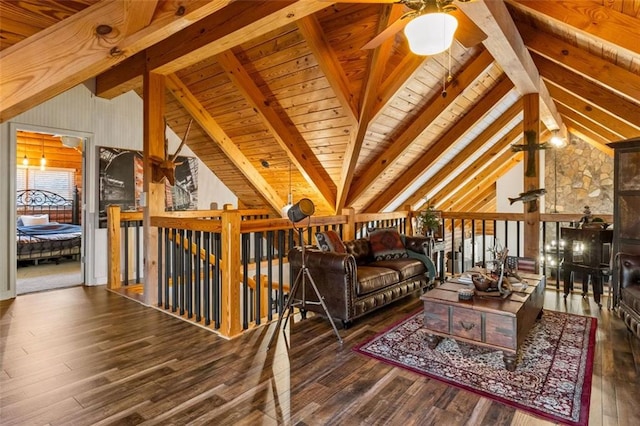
429	26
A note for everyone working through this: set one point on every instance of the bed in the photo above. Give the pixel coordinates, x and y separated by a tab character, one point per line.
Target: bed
47	226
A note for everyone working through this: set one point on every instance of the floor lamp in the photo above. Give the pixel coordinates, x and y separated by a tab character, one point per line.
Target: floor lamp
303	209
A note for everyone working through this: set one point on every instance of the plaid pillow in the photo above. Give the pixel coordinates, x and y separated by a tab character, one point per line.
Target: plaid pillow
330	241
386	244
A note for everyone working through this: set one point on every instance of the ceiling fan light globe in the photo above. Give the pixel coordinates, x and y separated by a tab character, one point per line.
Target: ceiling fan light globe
431	33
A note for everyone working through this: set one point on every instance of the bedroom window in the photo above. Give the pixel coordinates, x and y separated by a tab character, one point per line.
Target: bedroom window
60	181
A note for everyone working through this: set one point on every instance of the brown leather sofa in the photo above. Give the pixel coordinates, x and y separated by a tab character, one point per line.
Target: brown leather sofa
629	295
354	284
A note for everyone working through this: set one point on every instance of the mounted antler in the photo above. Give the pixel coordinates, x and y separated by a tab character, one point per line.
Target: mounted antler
166	168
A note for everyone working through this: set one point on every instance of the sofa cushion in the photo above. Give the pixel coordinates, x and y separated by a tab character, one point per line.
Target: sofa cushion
386	243
407	268
372	278
360	250
330	241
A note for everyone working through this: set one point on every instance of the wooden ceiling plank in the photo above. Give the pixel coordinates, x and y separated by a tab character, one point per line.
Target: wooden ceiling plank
430	112
484	179
478	202
329	63
368	100
69	52
488	159
468	151
508	49
580	61
617	30
591	92
404	72
592	112
285	133
182	94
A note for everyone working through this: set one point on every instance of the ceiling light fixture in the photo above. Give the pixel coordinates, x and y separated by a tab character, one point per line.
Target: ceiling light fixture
43	160
432	32
25	159
70	141
557	140
286	207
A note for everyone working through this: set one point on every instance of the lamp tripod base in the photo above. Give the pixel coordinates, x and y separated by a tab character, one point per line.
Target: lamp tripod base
303	276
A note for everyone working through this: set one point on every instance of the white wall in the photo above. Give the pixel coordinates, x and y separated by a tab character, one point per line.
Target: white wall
112	123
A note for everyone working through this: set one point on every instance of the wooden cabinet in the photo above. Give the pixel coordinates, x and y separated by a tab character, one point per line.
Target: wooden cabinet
626	200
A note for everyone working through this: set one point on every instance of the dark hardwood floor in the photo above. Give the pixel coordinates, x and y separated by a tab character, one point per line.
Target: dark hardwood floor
86	356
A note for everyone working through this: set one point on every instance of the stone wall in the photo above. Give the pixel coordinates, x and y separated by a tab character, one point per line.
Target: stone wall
585	178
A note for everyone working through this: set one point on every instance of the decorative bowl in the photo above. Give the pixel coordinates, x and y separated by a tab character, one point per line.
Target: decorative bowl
465	294
483	282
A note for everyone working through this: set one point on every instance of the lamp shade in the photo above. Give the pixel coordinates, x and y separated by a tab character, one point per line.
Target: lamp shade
301	210
431	33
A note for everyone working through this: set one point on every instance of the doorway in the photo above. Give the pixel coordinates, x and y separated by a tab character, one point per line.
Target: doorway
49	182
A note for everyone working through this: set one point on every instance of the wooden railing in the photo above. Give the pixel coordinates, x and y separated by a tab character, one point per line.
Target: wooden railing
227	270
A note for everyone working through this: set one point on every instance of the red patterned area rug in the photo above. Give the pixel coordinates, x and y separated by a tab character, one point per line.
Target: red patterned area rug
552	379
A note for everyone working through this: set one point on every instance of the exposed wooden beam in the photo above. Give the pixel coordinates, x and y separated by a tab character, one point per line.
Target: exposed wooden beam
590	137
329	64
153	135
592	112
487	159
367	103
281	128
617	30
591	92
430	112
587	122
237	23
485	178
506	46
199	113
624	83
138	14
531	128
70	52
483	201
469	150
122	78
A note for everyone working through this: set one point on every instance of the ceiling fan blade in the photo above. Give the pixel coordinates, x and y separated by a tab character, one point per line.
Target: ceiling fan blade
467	33
398	25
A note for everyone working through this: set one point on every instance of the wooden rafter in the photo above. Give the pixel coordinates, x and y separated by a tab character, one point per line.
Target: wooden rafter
405	138
592	112
508	49
329	63
70	52
481	202
580	61
199	113
479	141
616	29
368	100
590	137
281	128
486	178
591	92
232	25
587	122
487	160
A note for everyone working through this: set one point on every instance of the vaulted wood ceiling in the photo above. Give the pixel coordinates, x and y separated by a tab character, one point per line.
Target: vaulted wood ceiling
287	83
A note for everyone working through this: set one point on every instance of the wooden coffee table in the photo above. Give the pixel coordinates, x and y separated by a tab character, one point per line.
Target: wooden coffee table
496	322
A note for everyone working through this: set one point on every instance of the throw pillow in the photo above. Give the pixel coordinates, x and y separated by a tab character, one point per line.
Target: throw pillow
41	219
330	241
386	244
